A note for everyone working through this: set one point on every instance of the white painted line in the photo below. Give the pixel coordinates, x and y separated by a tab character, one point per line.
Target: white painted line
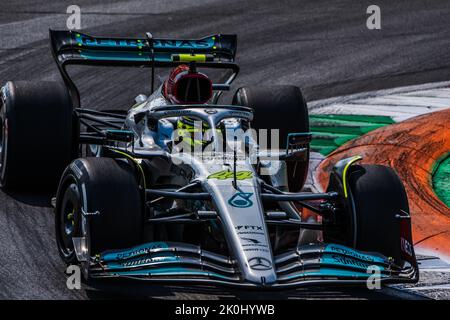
399	103
373	109
430	253
398	100
445	270
400	90
435	287
397	116
434	93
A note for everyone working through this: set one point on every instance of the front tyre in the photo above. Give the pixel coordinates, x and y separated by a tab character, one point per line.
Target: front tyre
380	200
108	188
377	215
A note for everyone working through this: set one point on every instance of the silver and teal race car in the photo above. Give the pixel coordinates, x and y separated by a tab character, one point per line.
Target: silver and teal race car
181	188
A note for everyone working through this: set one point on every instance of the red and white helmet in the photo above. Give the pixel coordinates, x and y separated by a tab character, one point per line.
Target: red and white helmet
185	86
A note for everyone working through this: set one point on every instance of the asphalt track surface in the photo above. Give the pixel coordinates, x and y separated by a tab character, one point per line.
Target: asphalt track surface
322	46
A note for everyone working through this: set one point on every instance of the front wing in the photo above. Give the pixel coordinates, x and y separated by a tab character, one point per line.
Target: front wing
307	265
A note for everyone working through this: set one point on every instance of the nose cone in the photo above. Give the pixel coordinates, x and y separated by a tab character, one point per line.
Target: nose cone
242	217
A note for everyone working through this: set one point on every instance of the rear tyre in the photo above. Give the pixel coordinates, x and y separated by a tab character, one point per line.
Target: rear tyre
101	185
37	135
283	108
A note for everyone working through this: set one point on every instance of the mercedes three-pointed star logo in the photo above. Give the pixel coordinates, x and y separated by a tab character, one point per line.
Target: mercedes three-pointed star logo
259	263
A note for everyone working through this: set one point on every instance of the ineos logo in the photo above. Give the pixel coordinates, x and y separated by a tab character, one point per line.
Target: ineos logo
259	263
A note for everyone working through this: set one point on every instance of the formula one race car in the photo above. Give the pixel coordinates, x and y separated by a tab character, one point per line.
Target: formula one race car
181	188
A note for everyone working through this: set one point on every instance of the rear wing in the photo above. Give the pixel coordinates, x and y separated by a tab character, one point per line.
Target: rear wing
71	47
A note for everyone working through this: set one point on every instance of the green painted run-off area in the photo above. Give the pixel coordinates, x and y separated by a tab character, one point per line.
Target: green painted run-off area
331	131
441	179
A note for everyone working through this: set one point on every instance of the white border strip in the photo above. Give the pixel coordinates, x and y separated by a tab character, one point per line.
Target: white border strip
406	89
